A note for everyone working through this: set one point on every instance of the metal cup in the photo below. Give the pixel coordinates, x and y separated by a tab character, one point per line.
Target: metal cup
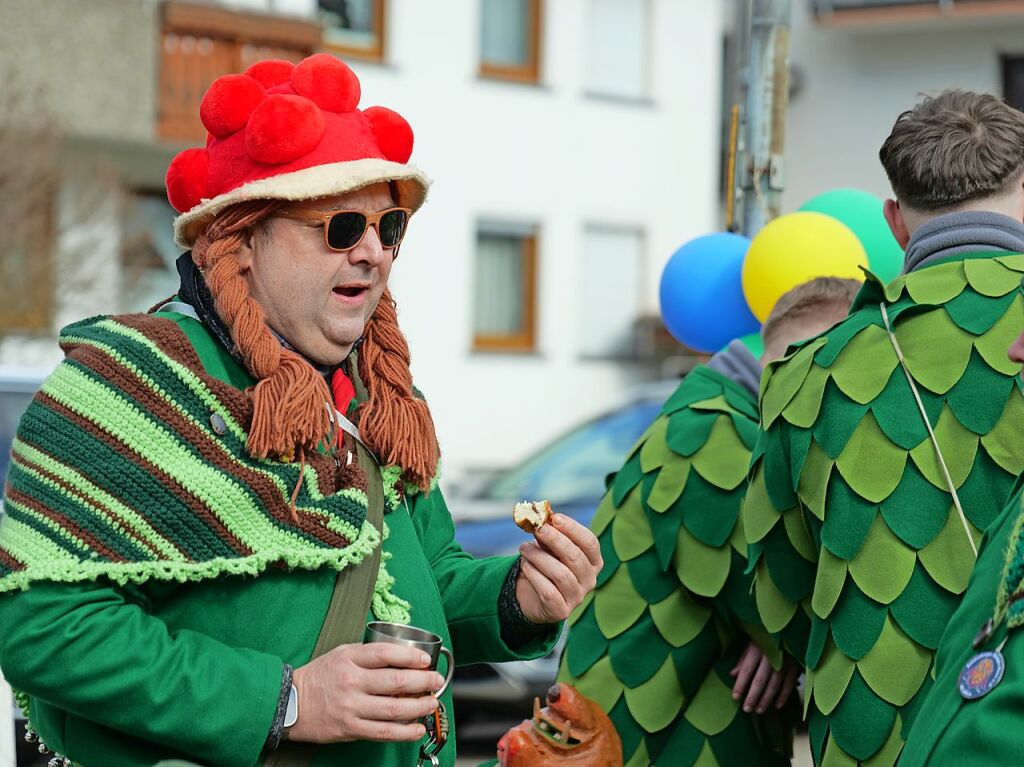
410	636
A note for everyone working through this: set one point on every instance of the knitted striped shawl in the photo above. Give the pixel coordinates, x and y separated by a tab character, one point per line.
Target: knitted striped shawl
130	463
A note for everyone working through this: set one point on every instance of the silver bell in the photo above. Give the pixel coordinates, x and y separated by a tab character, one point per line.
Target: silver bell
30	736
58	761
43	749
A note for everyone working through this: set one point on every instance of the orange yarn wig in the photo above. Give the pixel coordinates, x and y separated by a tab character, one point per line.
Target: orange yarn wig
288	398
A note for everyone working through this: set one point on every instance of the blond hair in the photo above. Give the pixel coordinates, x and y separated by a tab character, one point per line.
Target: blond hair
808	300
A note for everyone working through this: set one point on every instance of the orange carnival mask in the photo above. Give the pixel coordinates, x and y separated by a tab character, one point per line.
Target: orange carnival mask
571	730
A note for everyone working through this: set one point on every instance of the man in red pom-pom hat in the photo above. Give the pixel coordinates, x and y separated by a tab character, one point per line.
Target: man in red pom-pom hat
208	502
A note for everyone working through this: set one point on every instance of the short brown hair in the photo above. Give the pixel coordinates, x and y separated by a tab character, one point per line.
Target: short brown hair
954	147
806	300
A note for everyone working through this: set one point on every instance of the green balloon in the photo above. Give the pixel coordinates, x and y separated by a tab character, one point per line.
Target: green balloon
862	213
754	343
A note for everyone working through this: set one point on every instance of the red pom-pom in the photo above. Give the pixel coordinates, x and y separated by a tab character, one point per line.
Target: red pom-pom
186	179
394	134
271	72
283	128
228	103
328	81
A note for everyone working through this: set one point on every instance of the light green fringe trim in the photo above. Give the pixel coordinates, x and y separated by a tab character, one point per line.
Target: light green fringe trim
78	571
386	605
391	476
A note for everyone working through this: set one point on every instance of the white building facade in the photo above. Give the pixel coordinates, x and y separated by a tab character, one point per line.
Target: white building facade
860	64
574	145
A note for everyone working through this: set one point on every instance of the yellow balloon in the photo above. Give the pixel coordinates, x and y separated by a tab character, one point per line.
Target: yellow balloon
794	249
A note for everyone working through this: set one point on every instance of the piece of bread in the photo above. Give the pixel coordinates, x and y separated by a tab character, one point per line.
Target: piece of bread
531	515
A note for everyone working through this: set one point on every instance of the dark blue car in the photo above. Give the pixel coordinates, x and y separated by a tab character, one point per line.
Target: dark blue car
569	472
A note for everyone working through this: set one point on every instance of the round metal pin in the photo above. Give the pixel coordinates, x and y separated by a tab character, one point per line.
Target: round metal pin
981	674
218	423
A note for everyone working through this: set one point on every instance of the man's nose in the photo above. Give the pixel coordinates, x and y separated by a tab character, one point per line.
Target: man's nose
369	250
1016	350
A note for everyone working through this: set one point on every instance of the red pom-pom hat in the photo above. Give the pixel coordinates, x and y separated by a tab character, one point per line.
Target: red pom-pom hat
289	132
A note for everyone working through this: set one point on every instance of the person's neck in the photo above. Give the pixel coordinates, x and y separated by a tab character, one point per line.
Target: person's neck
963	232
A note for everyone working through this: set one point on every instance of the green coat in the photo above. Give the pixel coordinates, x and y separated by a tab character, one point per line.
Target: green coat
131	675
860	557
672	610
985	732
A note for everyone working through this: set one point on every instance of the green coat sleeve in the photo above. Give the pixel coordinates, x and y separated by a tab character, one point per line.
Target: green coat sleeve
781	549
88	650
470	589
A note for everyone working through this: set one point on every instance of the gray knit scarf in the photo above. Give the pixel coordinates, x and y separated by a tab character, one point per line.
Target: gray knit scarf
969	231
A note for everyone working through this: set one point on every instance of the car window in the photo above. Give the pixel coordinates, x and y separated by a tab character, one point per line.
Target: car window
12	405
573	468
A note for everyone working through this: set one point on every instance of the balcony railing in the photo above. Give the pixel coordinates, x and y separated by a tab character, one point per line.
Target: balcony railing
201	42
881	12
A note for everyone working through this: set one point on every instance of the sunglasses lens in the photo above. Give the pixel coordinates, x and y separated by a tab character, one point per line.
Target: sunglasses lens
345	230
392	227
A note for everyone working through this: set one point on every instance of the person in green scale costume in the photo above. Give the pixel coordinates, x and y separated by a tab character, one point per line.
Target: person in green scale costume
207	503
660	640
889	442
971	716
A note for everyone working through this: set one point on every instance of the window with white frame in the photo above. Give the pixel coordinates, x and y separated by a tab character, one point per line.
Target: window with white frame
610	290
618	48
505	289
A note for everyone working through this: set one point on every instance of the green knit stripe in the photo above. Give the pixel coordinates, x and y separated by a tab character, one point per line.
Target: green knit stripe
195	409
116	472
124	475
144	437
58	567
29	536
77	518
110	333
228	499
197	412
115	512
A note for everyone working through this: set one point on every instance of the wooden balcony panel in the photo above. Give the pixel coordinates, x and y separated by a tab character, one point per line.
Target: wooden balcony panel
204	42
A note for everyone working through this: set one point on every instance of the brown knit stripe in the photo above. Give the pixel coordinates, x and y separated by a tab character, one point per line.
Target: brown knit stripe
124	526
64	522
196	504
313	522
170	339
9	561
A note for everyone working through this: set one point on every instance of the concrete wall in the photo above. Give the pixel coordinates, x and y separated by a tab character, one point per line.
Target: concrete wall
91	64
857	81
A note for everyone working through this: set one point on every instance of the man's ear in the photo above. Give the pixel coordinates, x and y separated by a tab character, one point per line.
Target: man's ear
246	253
897	224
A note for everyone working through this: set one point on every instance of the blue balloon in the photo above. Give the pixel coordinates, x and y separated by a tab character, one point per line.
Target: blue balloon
702	301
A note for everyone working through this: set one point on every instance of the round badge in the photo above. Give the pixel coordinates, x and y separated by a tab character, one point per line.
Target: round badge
981	673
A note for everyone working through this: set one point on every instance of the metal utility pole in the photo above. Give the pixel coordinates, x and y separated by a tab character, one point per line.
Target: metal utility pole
758	135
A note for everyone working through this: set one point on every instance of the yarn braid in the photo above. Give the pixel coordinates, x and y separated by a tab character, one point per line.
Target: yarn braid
395	423
288	399
289	411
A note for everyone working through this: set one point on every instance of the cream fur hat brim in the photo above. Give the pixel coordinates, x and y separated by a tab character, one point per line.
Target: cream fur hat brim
309	184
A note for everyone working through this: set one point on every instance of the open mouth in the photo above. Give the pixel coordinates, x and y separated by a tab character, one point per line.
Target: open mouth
351	291
557	733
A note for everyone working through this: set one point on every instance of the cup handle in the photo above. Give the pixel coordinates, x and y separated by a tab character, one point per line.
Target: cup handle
451	671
